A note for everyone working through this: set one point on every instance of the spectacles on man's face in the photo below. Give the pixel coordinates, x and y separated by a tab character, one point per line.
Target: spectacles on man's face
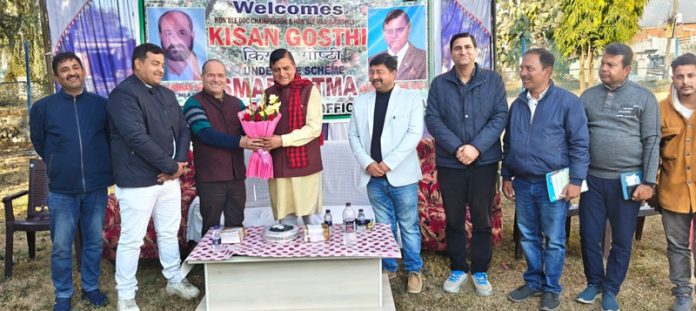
391	31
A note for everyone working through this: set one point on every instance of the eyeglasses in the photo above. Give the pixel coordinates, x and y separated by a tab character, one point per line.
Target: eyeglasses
398	30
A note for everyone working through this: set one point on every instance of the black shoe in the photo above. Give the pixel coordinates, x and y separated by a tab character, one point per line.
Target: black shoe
550	301
523	293
95	297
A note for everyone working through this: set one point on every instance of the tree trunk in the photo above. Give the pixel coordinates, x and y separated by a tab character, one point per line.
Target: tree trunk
582	70
591	73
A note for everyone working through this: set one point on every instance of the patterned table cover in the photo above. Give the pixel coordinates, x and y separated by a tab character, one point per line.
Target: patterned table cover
378	242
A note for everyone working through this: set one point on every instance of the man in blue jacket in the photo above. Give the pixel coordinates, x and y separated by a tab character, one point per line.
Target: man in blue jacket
69	130
466	114
150	142
546	132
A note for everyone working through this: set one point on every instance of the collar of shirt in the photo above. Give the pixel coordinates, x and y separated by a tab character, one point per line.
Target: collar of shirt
541	95
399	55
685	112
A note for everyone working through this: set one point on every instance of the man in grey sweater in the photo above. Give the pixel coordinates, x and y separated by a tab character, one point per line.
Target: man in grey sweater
624	124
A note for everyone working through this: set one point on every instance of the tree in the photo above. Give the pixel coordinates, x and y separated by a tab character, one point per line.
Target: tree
588	26
20	19
529	20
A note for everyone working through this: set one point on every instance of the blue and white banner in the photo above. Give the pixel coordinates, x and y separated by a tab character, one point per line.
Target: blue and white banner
102	33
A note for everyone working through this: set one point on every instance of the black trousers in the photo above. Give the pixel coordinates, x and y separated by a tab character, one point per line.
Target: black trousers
473	187
218	197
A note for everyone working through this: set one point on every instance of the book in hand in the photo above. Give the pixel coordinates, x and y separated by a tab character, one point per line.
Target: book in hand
556	181
629	183
232	235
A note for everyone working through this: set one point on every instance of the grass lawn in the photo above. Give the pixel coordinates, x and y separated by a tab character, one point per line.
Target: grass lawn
647	286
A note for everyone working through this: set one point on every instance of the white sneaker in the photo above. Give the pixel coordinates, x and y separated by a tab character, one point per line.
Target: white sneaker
183	289
483	287
454	283
127	305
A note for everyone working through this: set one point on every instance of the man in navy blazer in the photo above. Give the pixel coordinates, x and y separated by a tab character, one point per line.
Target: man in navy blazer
149	144
385	128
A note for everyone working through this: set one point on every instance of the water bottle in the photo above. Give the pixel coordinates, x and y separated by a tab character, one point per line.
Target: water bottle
327	218
362	221
217	239
349	236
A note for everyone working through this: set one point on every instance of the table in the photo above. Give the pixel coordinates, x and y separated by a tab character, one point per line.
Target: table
261	275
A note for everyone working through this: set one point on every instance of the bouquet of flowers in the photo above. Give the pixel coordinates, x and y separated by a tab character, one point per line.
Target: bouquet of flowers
259	120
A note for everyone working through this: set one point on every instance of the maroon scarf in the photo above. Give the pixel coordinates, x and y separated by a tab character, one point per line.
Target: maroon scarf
297	156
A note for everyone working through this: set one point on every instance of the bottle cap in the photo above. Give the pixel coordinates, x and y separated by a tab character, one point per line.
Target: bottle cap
360	210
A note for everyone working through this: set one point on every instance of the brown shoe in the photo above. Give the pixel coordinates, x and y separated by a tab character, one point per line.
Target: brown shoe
390	275
415	282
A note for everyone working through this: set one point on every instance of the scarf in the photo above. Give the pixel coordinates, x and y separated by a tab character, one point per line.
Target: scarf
297	156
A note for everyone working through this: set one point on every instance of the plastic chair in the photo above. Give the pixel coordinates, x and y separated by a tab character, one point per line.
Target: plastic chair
37	214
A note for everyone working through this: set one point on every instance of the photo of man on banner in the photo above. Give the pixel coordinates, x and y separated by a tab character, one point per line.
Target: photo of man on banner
181	33
400	32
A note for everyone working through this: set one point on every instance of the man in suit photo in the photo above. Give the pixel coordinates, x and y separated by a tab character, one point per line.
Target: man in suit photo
385	128
411	60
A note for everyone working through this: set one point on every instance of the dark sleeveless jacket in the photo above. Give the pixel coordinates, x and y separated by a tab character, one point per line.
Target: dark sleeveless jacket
281	169
213	163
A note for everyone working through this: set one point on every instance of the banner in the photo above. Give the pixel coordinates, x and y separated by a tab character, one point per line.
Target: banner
329	41
472	16
101	33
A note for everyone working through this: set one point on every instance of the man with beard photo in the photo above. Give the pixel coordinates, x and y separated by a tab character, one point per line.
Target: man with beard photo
177	37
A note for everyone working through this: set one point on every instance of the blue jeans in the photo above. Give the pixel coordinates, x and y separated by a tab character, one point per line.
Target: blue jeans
394	205
604	201
539	219
66	211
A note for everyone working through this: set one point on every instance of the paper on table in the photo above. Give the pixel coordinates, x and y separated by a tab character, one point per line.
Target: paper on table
232	235
556	181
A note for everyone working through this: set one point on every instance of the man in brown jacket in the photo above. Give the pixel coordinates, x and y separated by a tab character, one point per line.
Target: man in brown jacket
677	180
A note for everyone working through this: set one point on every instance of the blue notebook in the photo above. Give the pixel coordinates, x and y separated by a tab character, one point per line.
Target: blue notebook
629	182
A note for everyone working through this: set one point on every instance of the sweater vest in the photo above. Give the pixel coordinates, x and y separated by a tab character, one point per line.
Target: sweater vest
281	168
213	163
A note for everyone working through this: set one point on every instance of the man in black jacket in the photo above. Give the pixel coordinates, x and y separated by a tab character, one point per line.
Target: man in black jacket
150	142
69	130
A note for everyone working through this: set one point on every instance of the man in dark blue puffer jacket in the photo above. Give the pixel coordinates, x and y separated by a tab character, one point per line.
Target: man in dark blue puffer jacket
546	132
69	131
466	114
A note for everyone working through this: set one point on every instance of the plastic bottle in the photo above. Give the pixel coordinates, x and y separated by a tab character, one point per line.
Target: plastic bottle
361	224
328	220
349	236
217	239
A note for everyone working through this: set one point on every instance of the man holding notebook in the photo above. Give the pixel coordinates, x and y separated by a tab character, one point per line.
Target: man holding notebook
546	132
624	125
